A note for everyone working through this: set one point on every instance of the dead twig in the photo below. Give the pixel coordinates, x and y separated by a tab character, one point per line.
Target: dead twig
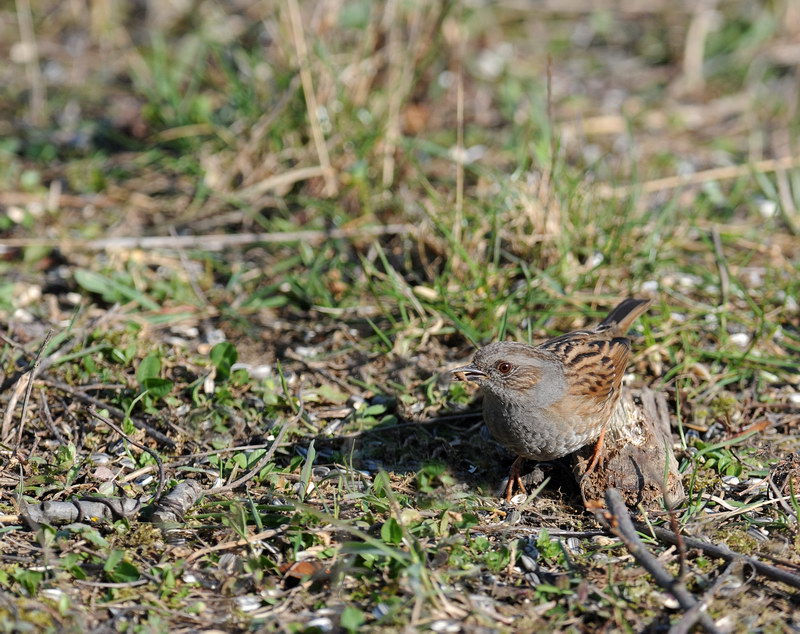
162	478
172	508
728	172
29	389
616	519
673	524
723	552
691	617
272	532
264	459
214	242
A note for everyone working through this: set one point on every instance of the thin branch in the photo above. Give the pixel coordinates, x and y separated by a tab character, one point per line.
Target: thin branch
723	552
267	534
691	617
264	459
617	520
728	172
673	524
214	242
29	388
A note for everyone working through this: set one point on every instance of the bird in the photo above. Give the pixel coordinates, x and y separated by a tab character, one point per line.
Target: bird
546	401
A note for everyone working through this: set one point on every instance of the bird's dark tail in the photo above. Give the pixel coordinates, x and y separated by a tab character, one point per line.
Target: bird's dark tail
621	318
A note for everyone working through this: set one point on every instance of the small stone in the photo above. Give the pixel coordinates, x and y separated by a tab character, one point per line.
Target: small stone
528	563
445	626
248	603
767	208
741	339
322	623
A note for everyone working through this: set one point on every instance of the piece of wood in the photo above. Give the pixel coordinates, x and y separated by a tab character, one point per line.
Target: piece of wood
637	457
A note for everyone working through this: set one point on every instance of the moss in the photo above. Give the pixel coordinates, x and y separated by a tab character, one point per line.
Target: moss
737	540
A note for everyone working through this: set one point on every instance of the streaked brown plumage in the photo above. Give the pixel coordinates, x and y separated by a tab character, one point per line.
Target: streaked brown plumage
546	401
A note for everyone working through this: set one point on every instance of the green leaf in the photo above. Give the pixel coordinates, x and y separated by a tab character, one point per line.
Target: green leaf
29	579
391	532
332	395
223	356
114	557
498	560
352	619
158	388
92	282
374	410
93	536
119	570
149	368
305	474
113	290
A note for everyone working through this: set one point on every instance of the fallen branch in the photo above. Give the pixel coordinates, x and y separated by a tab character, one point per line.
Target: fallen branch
90	510
172	508
29	388
271	532
637	455
616	519
214	242
691	617
265	459
723	552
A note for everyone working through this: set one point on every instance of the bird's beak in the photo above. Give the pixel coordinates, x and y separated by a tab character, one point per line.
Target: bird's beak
469	373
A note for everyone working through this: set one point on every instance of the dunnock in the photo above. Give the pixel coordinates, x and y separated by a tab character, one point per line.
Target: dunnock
543	402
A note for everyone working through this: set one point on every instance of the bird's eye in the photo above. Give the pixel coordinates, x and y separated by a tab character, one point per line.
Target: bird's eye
504	367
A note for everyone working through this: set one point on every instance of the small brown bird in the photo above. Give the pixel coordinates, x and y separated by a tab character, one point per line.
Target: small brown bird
543	402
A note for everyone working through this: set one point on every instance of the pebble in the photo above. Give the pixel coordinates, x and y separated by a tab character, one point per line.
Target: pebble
741	339
100	458
380	610
54	594
767	208
322	623
573	544
445	626
248	603
528	563
530	550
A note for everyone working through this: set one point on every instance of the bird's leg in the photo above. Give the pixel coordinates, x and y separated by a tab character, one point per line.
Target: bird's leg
514	478
597	453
